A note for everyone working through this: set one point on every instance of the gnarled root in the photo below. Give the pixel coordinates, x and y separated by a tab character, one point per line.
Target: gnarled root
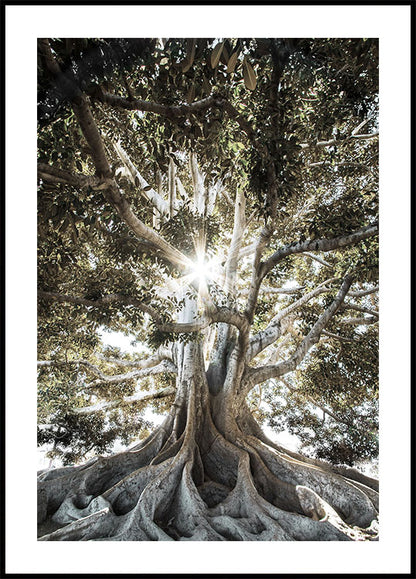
198	485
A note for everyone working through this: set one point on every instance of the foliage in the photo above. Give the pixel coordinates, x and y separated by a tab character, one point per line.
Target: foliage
274	101
331	404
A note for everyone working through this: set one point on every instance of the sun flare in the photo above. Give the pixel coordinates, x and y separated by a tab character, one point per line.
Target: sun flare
202	270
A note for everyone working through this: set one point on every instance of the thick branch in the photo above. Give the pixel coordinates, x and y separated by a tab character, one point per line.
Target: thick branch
215	314
172	188
236	240
200	193
247	250
318	245
136	178
161	354
53	174
175	111
129	301
135	398
103	301
261	374
92	136
155	242
257	276
164	366
170	111
176	258
273	331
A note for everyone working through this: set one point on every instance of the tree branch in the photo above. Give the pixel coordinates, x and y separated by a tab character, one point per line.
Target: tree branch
236	240
57	363
53	174
360	321
357	308
169	111
343	164
338	337
103	301
215	314
362	293
337	142
164	366
110	189
241	121
257	276
261	374
200	193
135	398
318	245
318	259
161	354
247	250
149	367
172	188
175	111
273	331
136	178
276	290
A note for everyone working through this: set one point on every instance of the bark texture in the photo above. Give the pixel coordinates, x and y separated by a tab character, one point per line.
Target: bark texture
207	473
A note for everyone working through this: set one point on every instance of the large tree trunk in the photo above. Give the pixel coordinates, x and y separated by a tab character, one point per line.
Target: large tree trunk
207	473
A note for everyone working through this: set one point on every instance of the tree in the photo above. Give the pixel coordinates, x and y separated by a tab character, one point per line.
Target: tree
217	200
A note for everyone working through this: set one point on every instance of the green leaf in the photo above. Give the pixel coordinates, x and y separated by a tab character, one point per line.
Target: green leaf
232	62
249	75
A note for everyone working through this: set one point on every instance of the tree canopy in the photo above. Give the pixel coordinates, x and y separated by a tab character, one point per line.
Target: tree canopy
216	200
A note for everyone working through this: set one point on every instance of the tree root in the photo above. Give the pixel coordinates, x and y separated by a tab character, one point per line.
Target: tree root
352	501
184	486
